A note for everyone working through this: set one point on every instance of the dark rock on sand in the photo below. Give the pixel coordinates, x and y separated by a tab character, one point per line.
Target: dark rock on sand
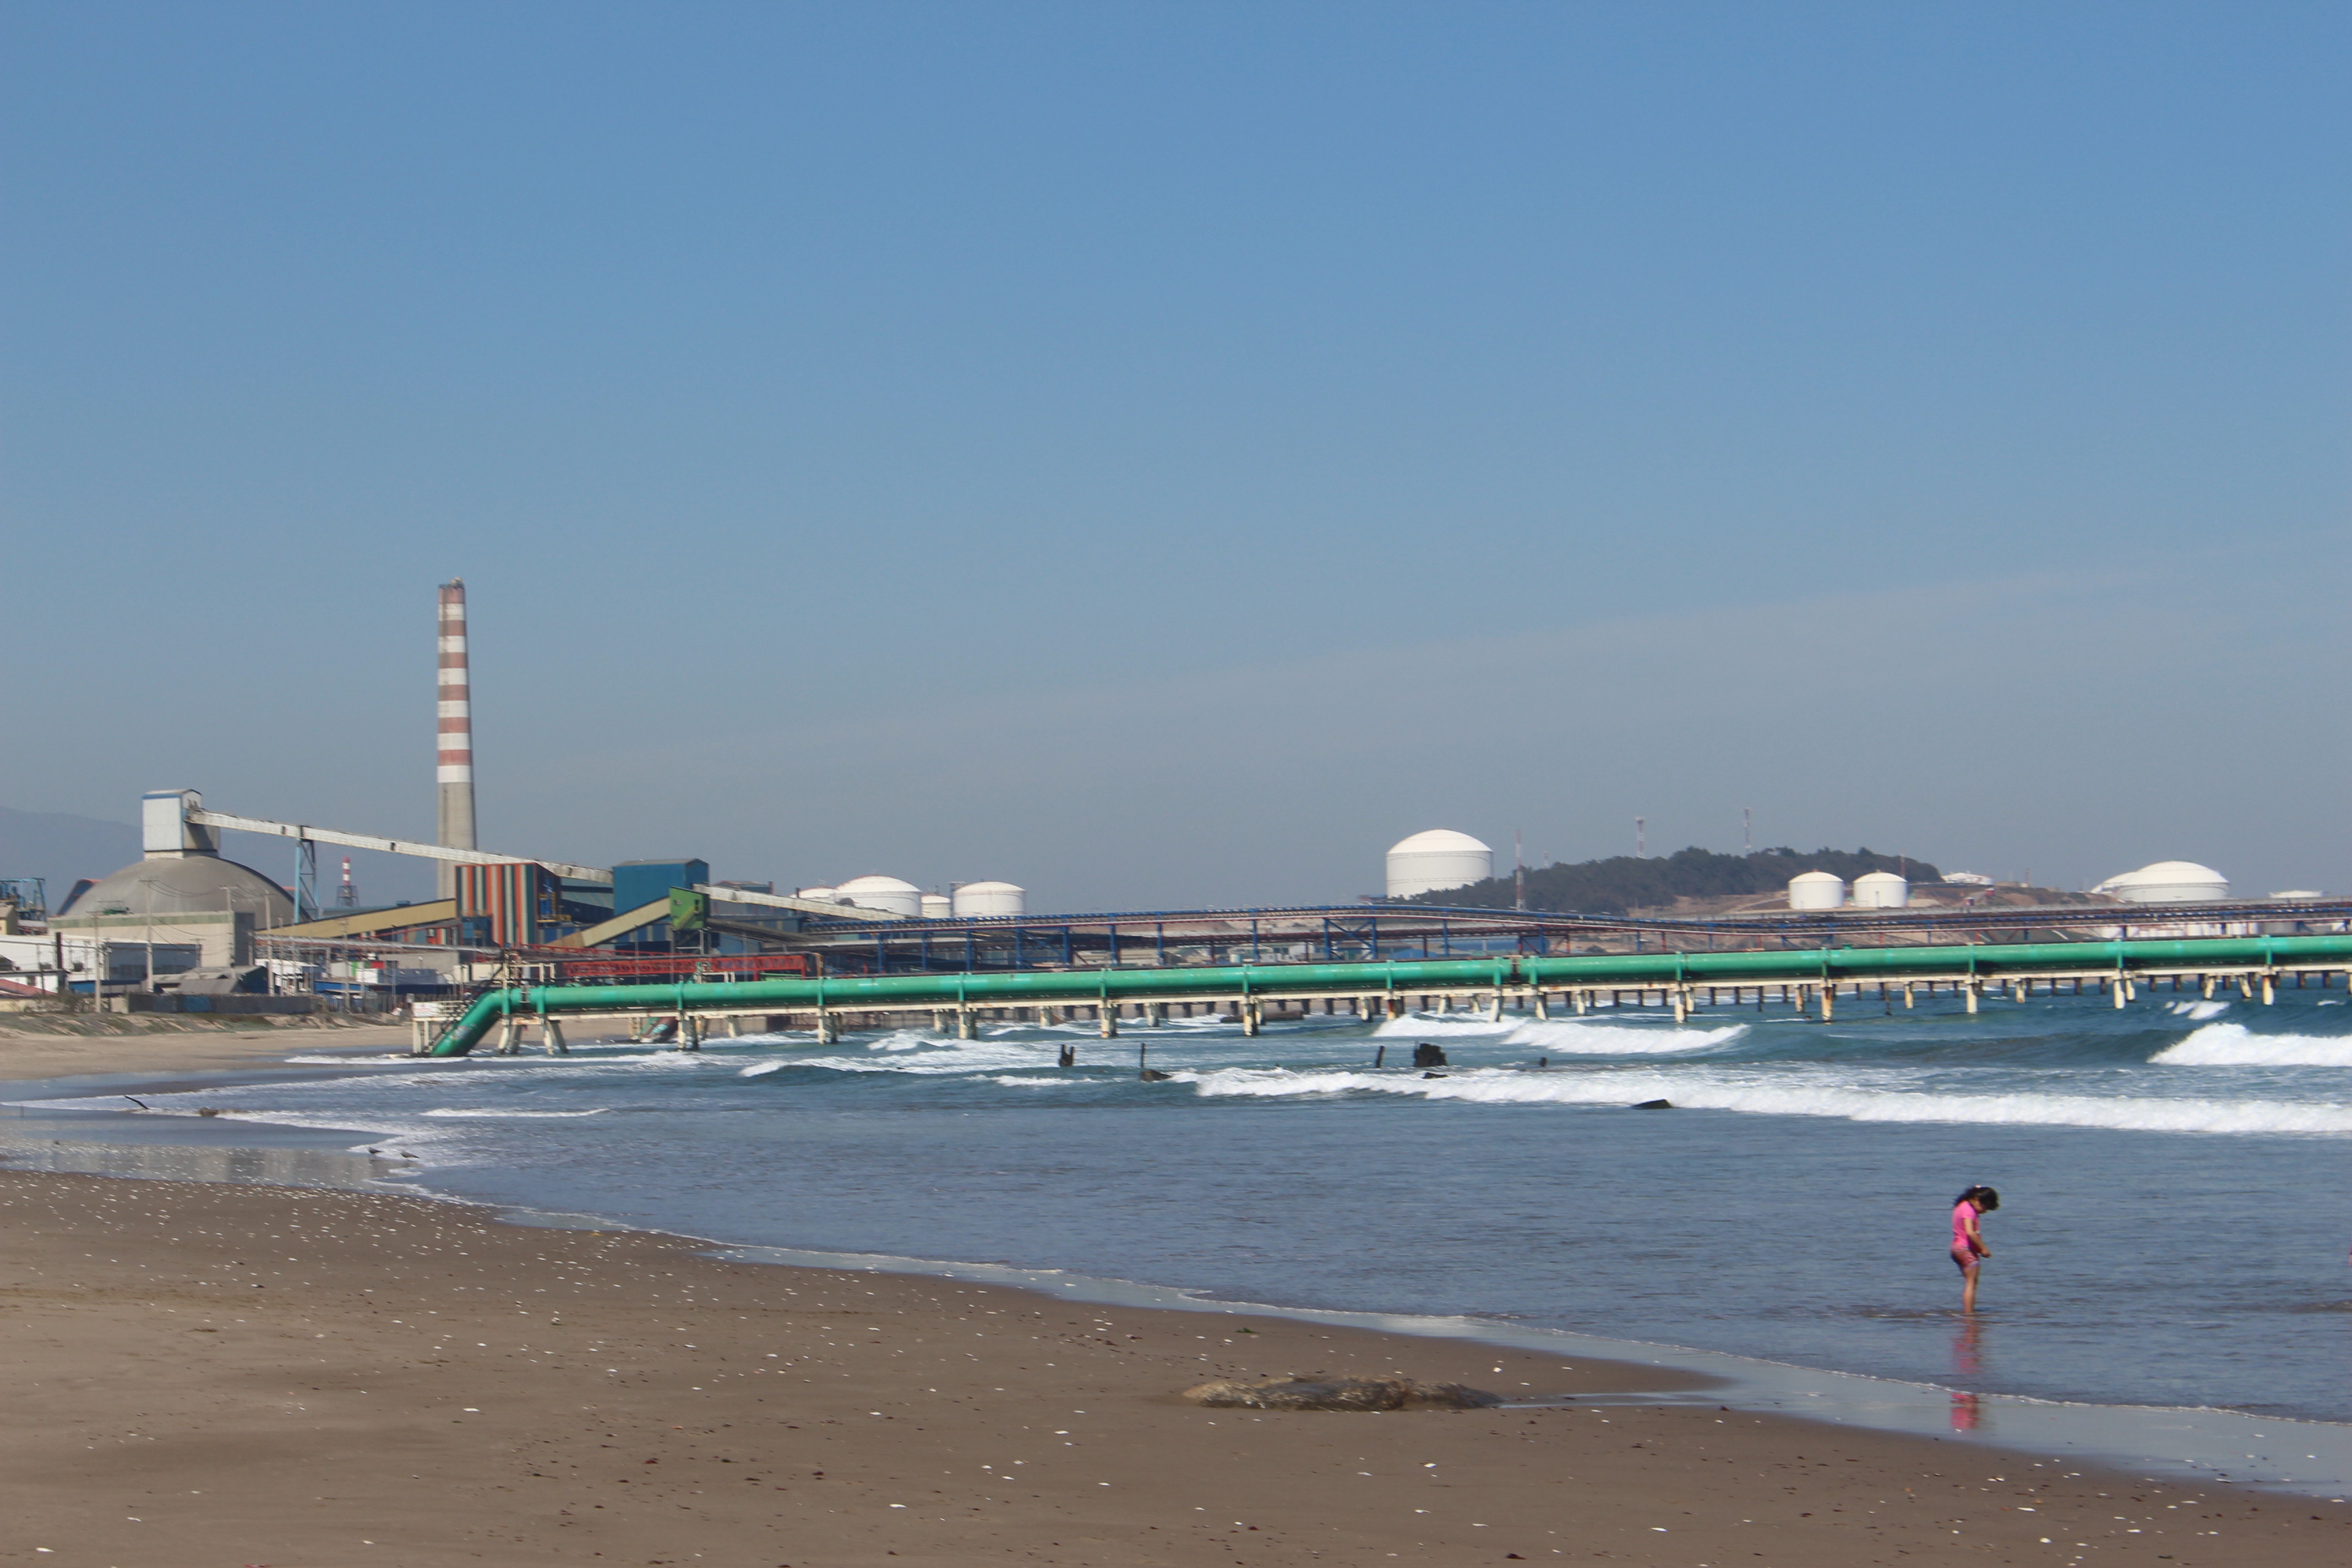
1340	1393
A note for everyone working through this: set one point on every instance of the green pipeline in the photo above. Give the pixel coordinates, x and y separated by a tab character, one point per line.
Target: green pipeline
1507	972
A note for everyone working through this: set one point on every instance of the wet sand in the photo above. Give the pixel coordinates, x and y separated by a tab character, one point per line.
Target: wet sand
213	1373
36	1046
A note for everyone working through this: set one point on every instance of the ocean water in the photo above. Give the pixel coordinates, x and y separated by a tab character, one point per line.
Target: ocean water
2174	1227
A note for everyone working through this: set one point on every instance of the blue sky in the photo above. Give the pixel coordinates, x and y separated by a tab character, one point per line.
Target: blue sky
1162	454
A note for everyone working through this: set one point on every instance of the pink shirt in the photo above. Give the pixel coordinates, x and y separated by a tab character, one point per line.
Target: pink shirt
1962	1213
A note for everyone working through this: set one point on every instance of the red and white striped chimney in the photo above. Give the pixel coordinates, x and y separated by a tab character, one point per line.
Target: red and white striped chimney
456	769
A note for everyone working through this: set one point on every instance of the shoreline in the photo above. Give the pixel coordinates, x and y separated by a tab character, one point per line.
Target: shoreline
1624	1378
413	1380
2211	1445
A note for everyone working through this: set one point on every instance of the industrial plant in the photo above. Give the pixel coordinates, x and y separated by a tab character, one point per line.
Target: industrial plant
185	928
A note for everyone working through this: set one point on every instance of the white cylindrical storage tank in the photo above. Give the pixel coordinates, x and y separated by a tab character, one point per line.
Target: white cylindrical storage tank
990	898
1816	890
2167	882
1440	858
937	905
887	894
821	895
1881	891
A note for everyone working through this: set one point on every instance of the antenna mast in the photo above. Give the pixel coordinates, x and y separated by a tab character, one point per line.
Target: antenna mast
1518	872
1641	839
1747	828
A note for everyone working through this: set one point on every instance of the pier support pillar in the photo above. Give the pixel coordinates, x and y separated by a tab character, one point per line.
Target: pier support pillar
1907	999
1682	1004
1251	1019
551	1036
1495	1012
1108	1015
967	1028
1829	1003
2270	989
1397	1005
510	1038
828	1027
1155	1013
1579	1001
1970	991
1543	1004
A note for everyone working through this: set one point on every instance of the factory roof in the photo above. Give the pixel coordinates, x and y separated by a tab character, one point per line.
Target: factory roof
186	884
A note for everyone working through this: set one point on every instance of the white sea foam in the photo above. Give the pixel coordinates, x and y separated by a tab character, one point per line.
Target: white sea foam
461	1112
1758	1096
346	1061
937	1056
2235	1045
1445	1024
1569	1036
2199	1010
1565	1037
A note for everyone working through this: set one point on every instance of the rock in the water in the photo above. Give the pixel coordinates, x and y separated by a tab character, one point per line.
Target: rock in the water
1425	1054
1341	1394
1655	1105
1153	1075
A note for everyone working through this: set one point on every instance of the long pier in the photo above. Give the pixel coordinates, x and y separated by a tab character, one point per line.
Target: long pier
1687	982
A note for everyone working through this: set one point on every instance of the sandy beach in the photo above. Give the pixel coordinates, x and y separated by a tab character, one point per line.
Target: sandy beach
39	1045
212	1373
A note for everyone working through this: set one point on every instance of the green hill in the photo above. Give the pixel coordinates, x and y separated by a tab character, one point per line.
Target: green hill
1613	886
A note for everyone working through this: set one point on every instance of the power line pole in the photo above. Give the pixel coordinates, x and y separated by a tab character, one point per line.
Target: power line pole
1641	838
1518	871
1747	828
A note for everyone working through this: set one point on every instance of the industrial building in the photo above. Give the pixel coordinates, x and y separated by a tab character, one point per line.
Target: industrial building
187	918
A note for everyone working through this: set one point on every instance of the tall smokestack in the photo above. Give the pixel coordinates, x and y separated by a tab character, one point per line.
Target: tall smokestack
456	771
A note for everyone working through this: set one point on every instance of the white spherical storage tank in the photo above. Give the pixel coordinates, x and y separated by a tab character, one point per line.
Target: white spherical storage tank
937	905
887	894
2167	882
1881	891
990	898
1816	890
1436	860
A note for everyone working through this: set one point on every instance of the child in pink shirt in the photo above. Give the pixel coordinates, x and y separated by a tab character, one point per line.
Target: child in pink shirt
1969	1249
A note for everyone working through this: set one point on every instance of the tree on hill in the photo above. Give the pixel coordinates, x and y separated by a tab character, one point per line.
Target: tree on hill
1622	883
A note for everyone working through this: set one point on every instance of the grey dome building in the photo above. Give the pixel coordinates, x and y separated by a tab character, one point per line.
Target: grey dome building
181	906
193	883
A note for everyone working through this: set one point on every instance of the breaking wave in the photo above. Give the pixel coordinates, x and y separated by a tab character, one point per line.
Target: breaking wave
2235	1045
1574	1037
1509	1088
1564	1036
